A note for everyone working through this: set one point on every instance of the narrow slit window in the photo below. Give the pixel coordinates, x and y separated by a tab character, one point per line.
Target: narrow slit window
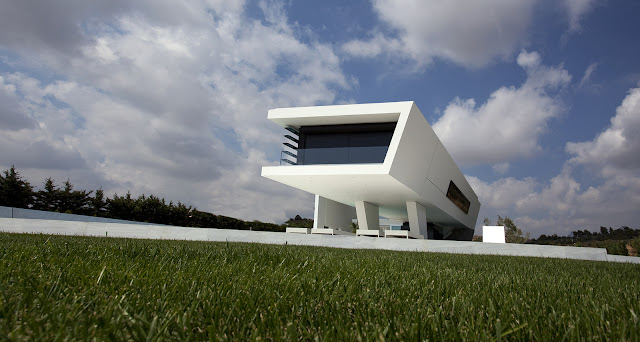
457	197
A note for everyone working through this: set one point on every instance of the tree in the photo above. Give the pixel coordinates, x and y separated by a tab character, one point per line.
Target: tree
73	201
486	221
98	204
49	198
121	207
14	191
512	233
152	209
179	214
300	222
66	198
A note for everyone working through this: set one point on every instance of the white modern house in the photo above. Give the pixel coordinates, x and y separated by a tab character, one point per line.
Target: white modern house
369	160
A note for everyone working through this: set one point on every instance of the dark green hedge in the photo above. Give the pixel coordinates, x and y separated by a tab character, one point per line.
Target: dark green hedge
636	245
615	247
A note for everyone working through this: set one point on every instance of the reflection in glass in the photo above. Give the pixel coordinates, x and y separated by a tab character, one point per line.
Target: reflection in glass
344	144
342	155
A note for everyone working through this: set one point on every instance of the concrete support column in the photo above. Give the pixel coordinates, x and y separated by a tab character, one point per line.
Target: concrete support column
332	214
368	216
417	219
319	213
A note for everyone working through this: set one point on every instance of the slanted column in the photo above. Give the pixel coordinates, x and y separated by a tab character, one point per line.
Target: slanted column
368	216
417	220
332	214
320	213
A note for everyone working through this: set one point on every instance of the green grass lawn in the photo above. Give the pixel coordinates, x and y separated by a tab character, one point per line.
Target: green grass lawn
80	288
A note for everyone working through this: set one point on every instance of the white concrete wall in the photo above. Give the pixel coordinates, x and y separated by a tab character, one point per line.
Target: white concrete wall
417	219
337	114
332	214
422	163
416	147
443	170
8	212
351	242
368	216
493	234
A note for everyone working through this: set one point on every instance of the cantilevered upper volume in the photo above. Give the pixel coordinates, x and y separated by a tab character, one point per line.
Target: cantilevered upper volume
381	159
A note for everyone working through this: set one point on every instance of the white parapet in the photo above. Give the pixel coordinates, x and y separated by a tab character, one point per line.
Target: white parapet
368	215
493	234
297	230
101	229
332	214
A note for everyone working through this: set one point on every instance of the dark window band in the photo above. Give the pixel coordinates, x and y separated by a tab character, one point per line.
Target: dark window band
457	197
345	144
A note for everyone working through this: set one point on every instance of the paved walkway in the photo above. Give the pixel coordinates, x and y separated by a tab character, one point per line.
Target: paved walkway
34	226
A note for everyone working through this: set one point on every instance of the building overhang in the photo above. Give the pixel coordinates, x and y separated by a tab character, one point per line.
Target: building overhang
347	184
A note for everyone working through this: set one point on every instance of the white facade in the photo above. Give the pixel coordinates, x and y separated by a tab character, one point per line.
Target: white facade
410	183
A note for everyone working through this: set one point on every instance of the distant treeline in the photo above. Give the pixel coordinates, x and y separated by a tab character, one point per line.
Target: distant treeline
614	240
622	233
18	193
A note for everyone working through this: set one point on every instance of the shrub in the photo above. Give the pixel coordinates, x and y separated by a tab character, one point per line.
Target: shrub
635	244
616	247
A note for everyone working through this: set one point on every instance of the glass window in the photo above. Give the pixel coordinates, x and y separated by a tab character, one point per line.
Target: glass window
457	197
344	144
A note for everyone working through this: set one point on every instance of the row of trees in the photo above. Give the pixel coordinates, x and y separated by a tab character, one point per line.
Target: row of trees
619	241
18	193
583	236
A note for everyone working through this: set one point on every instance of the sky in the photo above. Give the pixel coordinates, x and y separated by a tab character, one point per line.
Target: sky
537	101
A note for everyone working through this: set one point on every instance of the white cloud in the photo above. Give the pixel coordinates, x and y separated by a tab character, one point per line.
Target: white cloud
509	124
615	151
556	198
528	59
503	193
467	32
576	10
501	168
163	98
564	204
13	116
378	44
26	139
587	74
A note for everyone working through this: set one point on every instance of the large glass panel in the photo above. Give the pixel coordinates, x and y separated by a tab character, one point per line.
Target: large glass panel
344	144
342	155
361	139
326	140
